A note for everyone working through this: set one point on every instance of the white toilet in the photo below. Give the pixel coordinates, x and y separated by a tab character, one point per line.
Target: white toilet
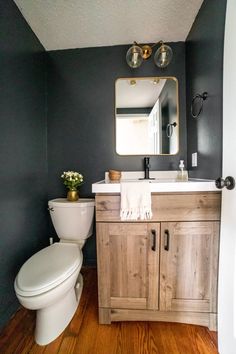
50	281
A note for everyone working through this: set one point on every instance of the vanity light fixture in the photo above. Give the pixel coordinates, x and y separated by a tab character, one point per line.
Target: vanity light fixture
137	53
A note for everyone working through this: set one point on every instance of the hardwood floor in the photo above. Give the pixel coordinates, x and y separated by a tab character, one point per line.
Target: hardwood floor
85	336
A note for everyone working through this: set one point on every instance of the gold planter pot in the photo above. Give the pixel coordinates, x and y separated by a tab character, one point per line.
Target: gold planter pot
72	196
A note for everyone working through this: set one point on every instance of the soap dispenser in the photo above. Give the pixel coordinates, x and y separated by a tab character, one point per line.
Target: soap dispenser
182	174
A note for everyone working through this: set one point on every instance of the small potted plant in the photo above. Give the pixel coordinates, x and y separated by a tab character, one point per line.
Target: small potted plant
72	180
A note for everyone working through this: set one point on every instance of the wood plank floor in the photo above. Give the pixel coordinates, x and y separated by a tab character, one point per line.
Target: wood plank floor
85	336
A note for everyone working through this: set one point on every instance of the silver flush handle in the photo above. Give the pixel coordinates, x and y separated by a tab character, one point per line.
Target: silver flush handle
50	209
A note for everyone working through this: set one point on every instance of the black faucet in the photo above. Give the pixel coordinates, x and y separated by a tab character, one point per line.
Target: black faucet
147	166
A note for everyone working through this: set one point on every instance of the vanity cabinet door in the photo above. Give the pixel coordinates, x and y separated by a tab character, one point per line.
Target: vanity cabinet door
188	266
128	265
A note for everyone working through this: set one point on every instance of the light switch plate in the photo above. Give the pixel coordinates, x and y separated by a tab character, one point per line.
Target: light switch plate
194	159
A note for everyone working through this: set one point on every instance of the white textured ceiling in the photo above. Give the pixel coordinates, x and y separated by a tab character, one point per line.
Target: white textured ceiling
63	24
143	94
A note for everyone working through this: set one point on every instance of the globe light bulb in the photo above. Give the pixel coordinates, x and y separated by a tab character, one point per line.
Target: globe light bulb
134	56
163	56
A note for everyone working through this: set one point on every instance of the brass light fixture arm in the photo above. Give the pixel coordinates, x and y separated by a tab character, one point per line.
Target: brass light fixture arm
147	49
160	42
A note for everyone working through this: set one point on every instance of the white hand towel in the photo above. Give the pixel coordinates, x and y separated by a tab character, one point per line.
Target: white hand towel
135	200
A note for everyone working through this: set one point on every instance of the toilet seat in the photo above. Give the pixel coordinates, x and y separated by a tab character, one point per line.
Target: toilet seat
48	268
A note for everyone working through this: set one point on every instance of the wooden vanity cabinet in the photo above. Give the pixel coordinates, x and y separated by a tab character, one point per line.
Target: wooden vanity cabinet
162	270
128	256
188	266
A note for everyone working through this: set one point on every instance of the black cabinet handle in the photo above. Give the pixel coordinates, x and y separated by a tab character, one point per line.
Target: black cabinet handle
154	240
167	240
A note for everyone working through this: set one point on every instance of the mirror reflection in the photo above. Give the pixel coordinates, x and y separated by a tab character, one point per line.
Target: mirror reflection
147	116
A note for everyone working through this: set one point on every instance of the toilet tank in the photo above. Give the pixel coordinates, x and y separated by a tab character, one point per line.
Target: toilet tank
73	221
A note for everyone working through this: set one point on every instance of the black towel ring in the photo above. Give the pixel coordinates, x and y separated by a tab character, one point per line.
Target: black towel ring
169	129
198	98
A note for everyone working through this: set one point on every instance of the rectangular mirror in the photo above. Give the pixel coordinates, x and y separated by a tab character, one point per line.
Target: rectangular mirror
147	116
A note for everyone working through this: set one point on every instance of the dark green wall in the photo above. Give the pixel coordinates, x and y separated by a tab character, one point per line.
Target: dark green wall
204	72
23	167
81	131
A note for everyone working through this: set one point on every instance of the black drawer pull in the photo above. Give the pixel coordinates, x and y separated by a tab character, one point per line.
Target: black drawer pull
154	241
167	240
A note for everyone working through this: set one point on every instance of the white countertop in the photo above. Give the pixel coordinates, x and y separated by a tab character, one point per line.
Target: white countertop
165	181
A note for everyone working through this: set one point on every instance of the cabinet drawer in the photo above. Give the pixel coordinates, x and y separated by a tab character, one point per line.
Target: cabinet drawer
166	207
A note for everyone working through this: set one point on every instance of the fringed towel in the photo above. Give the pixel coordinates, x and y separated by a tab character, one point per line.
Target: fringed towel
135	200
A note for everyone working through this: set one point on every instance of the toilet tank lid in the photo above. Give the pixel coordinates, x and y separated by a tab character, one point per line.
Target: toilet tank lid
64	203
48	268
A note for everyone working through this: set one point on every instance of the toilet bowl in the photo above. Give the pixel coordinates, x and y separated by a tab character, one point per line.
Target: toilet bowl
50	281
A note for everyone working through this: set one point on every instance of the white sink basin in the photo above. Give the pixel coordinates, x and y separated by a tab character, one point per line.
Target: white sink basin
165	182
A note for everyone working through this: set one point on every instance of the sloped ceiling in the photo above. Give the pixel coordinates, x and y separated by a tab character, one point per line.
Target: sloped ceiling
64	24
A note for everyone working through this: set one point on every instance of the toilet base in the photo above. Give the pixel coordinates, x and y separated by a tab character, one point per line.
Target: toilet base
52	320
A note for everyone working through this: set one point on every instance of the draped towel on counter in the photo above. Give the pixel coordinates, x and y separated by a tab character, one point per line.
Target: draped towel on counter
135	200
